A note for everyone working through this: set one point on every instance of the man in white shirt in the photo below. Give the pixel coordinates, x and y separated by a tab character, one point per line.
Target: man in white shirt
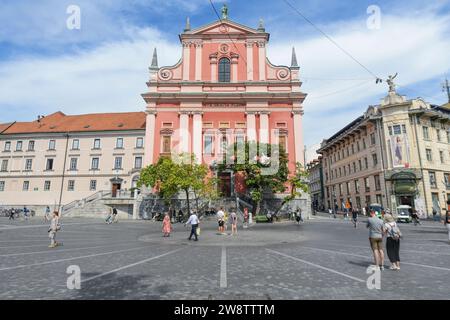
193	221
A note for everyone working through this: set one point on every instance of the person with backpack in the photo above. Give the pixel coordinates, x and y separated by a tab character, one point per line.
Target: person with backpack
393	236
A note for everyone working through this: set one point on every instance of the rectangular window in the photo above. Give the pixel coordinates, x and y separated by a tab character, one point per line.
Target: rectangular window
167	125
118	163
357	186
240	139
379	199
448	136
28	164
348	187
360	164
364	144
97	144
138	163
19	145
447	180
208	144
52	145
375	159
354	167
166	144
429	154
75	144
49	165
47	185
26	186
73	164
93	185
432	176
31	145
119	143
441	156
7	146
4	165
426	135
367	184
438	134
397	129
2	186
71	185
377	183
240	125
223	124
207	125
403	128
372	139
283	142
139	143
366	163
95	163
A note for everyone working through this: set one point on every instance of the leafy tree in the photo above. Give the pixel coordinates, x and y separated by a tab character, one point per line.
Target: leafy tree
170	177
254	161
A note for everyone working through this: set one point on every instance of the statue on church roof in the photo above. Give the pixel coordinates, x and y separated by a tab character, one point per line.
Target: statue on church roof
225	12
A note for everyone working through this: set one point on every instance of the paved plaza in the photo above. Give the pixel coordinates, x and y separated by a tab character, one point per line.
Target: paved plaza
322	258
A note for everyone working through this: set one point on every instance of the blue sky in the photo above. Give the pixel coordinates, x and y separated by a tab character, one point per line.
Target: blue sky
44	67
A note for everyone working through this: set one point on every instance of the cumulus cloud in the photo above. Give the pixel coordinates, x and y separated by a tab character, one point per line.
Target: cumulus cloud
112	75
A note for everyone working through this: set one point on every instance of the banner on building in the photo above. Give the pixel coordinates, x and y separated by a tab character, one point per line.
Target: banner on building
400	151
419	205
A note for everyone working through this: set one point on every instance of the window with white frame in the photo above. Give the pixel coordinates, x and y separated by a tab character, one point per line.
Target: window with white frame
52	145
71	185
31	145
26	186
138	163
93	185
118	163
73	164
75	144
119	143
2	186
28	164
4	165
7	146
19	145
47	185
97	144
49	165
139	142
95	163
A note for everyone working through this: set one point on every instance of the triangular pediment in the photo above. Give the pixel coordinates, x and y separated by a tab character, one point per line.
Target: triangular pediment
224	26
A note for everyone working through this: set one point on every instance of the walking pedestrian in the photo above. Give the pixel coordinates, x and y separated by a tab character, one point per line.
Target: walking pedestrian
25	212
330	212
194	222
54	227
47	214
393	236
246	217
166	226
298	215
355	217
375	226
233	221
12	212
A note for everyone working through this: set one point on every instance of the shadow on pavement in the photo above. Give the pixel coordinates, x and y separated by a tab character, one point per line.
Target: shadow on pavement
114	287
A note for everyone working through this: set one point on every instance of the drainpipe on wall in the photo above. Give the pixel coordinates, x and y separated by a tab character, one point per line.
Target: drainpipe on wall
420	163
63	173
382	140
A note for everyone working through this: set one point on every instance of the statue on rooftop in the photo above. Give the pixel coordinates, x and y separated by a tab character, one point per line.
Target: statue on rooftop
225	12
390	82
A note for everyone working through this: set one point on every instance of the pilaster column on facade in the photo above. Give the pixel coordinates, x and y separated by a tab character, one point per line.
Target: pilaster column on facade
213	63
298	136
251	126
264	127
149	137
197	141
234	67
249	46
198	60
184	132
186	60
262	60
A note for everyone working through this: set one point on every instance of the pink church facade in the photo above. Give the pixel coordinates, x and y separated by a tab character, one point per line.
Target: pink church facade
223	90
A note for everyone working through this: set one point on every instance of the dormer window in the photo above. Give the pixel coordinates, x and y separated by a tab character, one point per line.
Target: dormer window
224	70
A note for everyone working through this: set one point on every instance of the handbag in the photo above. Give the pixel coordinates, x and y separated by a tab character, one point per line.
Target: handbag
198	231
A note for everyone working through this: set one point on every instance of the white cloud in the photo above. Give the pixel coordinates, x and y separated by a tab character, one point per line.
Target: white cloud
112	76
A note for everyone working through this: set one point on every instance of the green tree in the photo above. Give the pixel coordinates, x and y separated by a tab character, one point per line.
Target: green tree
255	161
169	177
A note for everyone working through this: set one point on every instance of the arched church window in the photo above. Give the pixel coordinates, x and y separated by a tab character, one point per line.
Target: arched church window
224	70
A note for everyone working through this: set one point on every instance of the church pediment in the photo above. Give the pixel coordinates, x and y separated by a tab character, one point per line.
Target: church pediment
223	27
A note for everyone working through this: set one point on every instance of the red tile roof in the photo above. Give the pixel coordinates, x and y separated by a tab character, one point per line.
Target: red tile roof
59	122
